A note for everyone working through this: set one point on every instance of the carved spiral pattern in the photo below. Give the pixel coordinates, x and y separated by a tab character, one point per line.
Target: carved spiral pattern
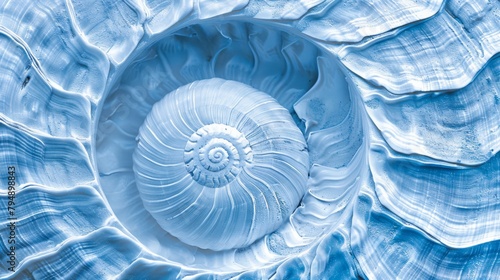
215	154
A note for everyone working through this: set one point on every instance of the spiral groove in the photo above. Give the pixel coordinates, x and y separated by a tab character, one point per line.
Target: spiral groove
215	154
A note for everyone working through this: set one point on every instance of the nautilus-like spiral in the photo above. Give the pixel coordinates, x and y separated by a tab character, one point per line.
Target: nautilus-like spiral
250	139
218	173
212	155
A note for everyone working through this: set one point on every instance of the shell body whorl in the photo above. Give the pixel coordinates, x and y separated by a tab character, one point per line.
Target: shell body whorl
199	157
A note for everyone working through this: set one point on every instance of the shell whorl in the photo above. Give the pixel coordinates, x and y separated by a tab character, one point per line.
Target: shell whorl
215	154
199	157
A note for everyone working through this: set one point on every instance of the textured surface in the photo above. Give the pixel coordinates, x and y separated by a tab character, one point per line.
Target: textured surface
253	139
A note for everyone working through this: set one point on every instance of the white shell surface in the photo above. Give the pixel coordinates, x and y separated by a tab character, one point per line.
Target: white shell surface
390	108
220	172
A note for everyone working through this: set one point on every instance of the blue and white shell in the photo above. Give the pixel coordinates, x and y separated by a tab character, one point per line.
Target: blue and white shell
250	139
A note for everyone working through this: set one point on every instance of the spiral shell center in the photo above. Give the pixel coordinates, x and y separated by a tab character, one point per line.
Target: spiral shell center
215	154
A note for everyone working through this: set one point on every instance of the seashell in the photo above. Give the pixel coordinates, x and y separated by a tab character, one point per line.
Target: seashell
119	134
243	154
250	139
